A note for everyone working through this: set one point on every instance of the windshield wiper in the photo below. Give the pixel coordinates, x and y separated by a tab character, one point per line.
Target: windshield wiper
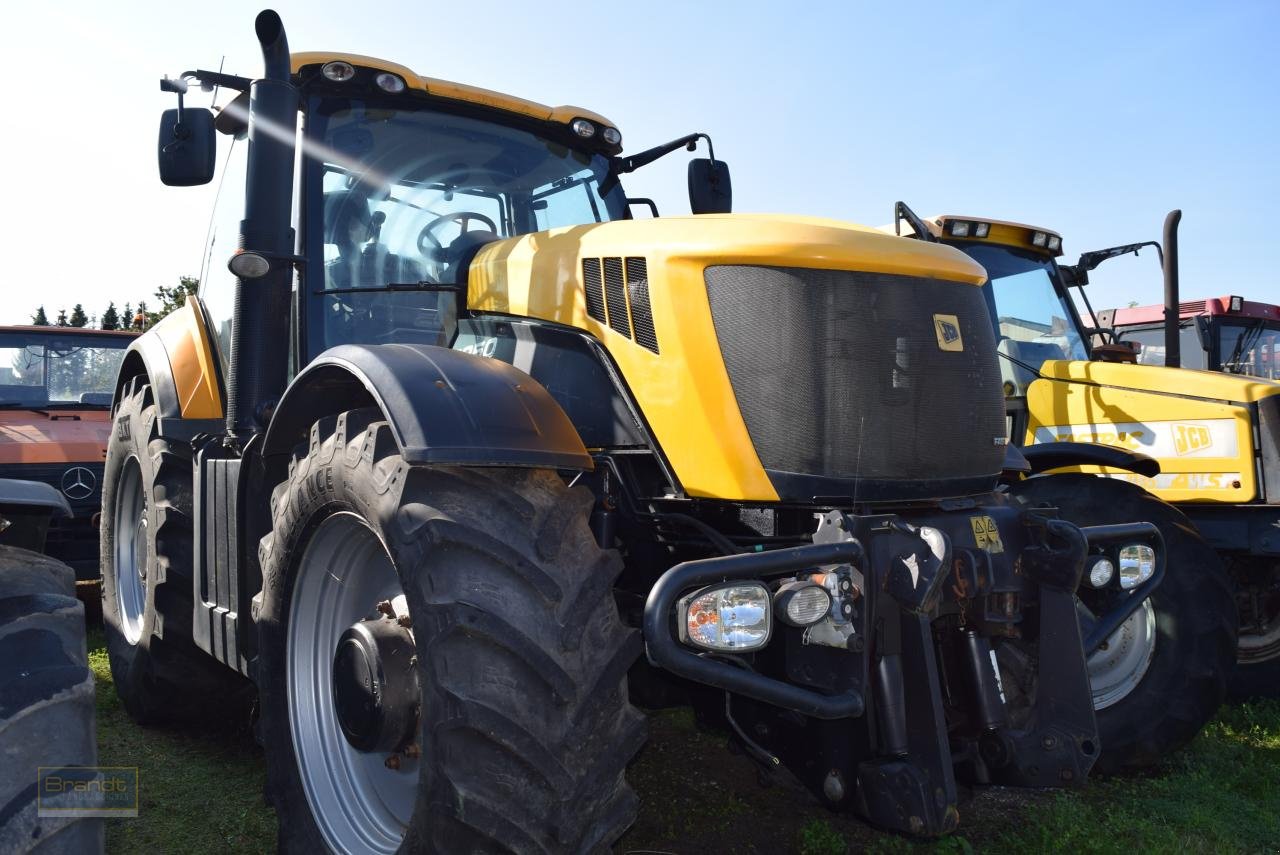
18	405
1027	365
1249	336
393	287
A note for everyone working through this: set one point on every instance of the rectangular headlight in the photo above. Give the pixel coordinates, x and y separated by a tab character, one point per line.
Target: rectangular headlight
732	618
1137	564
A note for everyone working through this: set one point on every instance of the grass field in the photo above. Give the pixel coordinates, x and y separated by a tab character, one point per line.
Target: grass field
203	792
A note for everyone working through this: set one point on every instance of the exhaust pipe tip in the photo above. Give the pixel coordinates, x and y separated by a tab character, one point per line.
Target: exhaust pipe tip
268	26
275	45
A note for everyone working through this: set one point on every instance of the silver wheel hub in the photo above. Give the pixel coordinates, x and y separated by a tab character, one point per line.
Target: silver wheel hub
1118	666
131	551
360	800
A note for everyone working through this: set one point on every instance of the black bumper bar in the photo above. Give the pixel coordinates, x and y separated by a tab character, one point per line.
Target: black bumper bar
665	652
1101	535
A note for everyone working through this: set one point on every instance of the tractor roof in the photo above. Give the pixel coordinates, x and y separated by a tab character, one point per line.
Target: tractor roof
450	90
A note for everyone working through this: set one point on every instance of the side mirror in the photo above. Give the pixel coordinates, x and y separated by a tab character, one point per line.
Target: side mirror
187	148
710	189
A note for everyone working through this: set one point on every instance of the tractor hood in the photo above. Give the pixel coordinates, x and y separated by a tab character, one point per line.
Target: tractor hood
777	357
67	436
1184	382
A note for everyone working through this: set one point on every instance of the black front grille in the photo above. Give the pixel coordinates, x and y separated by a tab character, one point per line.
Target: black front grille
82	504
846	385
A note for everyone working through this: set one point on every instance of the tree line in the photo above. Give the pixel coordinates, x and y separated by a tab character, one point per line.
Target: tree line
130	317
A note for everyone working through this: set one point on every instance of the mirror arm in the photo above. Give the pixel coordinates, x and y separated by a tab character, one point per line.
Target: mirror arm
902	212
180	132
619	166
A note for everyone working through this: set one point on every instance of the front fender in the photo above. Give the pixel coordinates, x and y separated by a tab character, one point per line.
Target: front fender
444	407
1044	456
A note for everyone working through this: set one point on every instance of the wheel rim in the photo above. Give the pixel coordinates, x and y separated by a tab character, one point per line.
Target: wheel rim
358	803
130	559
1260	637
1116	668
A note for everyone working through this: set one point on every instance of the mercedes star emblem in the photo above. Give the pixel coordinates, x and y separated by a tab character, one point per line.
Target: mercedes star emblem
78	483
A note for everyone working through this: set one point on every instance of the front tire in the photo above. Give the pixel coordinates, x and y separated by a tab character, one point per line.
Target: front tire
148	594
523	727
1163	674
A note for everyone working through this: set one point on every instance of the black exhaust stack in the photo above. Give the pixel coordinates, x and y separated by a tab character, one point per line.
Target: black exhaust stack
260	332
1172	342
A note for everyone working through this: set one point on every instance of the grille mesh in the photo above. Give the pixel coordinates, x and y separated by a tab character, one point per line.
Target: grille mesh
638	294
840	374
615	296
594	286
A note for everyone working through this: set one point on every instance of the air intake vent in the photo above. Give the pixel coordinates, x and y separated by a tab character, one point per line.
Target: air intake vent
618	294
1195	307
595	288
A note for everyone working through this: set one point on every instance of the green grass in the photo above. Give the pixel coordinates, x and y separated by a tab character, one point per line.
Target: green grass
202	791
196	791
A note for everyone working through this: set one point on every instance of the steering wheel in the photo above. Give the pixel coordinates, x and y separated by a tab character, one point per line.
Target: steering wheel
429	245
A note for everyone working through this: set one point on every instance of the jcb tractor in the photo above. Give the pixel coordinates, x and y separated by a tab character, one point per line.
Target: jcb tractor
455	464
1206	444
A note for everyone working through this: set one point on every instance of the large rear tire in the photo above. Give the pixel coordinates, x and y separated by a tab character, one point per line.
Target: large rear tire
46	700
1162	675
147	544
524	727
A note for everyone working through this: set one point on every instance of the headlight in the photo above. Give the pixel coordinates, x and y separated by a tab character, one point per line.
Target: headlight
801	603
249	265
731	618
1100	572
1137	563
583	128
389	82
338	71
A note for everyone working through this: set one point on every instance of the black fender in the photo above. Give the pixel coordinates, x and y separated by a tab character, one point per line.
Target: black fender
444	407
1053	455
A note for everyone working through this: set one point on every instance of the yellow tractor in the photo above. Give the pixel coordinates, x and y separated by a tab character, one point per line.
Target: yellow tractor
1205	443
447	441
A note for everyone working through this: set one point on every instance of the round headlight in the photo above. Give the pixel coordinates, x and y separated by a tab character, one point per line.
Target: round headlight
801	603
1101	572
338	71
389	82
249	265
583	128
611	136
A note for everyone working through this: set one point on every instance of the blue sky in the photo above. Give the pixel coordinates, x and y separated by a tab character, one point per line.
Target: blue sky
1094	119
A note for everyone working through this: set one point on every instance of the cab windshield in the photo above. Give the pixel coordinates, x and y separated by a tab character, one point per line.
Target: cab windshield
404	196
1250	347
39	370
1033	320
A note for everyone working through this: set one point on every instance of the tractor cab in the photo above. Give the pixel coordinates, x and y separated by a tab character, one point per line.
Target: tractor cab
1228	334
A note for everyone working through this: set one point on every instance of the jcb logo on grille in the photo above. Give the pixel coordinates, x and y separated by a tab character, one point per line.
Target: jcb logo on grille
947	328
1191	438
986	534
